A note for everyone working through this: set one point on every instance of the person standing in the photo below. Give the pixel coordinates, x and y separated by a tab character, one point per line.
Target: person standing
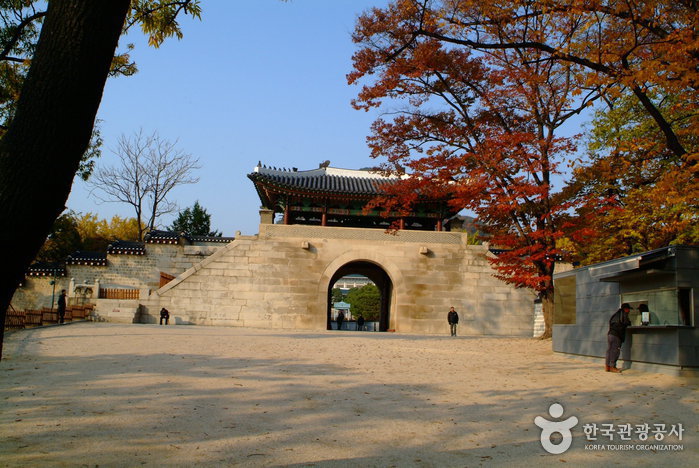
340	319
453	319
360	322
616	335
62	306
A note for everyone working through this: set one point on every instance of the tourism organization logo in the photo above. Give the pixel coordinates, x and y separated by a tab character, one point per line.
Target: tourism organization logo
549	428
606	436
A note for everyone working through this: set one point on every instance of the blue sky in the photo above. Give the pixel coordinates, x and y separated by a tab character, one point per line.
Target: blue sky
252	81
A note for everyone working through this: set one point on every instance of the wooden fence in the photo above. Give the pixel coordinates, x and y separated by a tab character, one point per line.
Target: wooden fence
116	293
18	319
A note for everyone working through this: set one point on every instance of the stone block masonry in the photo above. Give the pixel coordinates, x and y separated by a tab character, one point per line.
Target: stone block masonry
281	278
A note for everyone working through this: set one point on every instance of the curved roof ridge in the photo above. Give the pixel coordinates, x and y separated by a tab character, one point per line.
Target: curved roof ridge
294	173
357	173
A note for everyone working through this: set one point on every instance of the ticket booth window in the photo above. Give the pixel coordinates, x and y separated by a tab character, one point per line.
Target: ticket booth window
669	306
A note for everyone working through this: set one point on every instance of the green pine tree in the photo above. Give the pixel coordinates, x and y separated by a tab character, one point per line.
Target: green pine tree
194	221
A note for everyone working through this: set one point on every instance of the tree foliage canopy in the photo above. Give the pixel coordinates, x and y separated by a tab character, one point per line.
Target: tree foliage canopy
637	197
337	295
481	129
478	91
63	240
73	231
643	47
365	301
195	221
20	24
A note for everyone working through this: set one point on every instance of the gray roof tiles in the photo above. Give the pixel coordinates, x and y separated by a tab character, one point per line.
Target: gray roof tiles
324	179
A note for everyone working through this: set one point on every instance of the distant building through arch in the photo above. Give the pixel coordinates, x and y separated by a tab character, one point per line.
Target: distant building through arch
377	276
350	281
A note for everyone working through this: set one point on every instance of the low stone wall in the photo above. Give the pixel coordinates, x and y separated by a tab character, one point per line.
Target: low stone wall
118	310
37	292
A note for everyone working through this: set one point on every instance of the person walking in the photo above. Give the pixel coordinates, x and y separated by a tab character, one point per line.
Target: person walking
615	336
453	319
62	306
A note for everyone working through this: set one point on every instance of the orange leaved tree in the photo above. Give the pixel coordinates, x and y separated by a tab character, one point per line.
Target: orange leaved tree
650	48
637	194
481	127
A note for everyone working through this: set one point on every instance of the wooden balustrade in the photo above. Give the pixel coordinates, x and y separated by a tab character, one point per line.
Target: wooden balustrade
18	319
118	293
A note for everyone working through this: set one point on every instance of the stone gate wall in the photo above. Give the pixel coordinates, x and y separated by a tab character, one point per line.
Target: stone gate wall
280	279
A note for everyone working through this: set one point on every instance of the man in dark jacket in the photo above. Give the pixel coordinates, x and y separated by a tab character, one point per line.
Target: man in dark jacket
340	319
615	336
453	319
62	306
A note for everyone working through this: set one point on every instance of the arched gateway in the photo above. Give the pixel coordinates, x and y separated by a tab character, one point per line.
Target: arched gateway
378	276
281	277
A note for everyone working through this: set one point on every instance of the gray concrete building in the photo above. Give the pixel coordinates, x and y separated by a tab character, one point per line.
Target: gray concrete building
665	281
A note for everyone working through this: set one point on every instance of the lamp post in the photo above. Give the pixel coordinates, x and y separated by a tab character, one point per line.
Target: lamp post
53	292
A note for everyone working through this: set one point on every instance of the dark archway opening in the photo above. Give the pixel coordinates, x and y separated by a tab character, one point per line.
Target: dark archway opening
376	274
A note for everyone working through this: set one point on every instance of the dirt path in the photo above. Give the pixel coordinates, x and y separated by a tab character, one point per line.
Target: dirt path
131	395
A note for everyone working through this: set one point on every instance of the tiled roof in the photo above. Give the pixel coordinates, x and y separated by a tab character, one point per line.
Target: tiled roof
46	269
163	237
84	257
172	237
497	252
326	180
121	247
212	239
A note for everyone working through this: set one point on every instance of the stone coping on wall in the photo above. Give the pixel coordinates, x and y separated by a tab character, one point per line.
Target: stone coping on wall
271	231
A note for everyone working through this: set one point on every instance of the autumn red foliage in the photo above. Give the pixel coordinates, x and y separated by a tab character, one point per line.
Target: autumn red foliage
479	128
476	92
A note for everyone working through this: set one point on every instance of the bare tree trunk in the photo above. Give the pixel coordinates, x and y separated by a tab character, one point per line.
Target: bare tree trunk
149	168
41	150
